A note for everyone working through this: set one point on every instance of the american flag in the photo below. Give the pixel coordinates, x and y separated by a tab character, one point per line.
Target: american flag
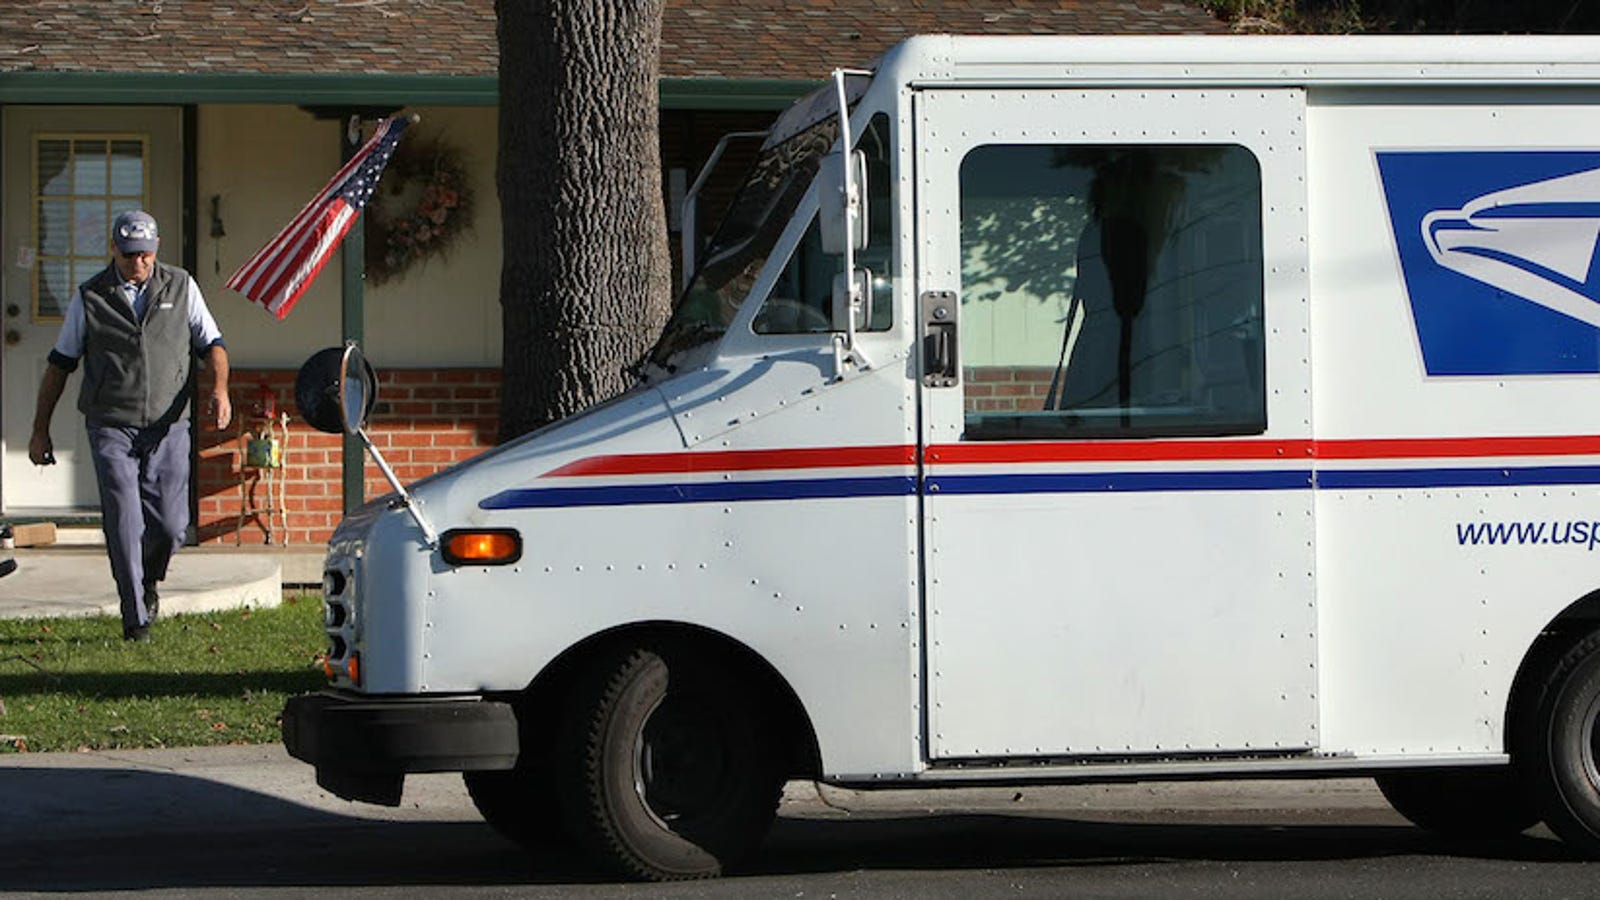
282	270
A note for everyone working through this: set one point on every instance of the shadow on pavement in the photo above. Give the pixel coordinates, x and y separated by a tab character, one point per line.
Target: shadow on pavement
963	841
105	829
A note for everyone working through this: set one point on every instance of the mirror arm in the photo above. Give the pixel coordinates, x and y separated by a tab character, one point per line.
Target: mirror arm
358	387
849	219
431	536
850	189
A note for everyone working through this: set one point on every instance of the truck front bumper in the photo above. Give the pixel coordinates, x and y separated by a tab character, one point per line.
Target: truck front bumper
363	747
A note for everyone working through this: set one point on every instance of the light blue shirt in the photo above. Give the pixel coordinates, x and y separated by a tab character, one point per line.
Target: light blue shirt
203	328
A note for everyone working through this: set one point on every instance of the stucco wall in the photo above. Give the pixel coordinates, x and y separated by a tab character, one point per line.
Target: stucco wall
264	163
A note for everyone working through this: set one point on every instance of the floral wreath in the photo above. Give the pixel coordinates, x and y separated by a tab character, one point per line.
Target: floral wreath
421	207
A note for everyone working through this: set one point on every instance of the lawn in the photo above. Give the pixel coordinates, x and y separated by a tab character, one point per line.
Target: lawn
205	678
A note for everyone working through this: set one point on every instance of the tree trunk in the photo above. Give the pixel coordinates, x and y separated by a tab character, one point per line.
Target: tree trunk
585	284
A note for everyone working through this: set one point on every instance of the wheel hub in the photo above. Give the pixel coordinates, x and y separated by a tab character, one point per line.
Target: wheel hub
683	762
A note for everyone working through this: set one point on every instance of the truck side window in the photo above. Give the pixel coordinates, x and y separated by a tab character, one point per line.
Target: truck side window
1111	290
801	301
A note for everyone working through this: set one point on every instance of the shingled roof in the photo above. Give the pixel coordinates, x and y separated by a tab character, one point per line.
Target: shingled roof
701	39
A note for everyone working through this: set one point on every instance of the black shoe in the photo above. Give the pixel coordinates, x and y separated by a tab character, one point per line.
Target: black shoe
7	566
139	633
152	601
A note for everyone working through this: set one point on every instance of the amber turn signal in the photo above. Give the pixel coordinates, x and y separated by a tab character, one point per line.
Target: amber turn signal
481	547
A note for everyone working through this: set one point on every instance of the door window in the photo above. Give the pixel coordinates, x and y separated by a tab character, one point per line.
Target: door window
1111	291
81	183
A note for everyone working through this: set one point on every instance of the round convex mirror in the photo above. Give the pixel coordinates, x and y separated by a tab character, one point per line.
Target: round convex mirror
316	390
358	389
320	394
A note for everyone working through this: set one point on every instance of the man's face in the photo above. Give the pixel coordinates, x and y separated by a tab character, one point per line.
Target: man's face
135	266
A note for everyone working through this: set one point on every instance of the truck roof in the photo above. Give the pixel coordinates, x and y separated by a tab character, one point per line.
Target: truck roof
1411	60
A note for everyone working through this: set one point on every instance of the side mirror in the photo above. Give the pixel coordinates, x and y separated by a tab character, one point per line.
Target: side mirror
335	390
839	194
358	389
852	295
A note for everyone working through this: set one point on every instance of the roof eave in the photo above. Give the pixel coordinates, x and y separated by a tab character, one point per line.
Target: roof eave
171	88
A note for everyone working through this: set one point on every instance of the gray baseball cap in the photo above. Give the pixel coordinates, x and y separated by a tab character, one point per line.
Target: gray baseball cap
134	232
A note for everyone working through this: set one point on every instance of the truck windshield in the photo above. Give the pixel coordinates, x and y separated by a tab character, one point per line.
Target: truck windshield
763	206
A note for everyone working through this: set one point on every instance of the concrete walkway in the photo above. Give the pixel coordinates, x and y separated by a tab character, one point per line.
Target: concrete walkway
74	579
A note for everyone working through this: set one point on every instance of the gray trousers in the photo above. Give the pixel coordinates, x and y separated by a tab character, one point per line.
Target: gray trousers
144	505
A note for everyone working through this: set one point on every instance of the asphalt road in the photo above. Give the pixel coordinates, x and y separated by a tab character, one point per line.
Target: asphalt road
247	821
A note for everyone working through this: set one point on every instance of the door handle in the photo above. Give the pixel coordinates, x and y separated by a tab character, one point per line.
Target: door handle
940	349
13	337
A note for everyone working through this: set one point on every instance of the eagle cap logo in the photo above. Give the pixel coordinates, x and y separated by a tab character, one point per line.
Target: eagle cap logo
1498	249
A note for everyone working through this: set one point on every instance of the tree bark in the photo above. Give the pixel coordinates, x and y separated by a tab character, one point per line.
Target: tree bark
585	284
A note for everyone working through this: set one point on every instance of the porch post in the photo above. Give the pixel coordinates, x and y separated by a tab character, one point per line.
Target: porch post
352	315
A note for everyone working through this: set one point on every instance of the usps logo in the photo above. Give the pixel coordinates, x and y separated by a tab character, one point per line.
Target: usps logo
1498	253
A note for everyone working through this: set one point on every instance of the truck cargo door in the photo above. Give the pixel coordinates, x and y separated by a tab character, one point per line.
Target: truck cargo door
1116	419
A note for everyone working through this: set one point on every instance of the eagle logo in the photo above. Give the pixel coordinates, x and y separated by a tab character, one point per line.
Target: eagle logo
1536	241
1497	251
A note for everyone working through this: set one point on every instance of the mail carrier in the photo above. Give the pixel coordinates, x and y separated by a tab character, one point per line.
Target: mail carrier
1091	409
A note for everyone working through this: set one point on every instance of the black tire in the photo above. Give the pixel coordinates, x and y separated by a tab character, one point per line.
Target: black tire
667	766
520	804
1562	752
1466	804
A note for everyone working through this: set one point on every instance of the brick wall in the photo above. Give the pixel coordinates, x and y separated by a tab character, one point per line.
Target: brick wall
425	420
1003	389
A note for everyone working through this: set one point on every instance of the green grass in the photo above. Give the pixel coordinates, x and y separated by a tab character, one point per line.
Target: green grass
204	678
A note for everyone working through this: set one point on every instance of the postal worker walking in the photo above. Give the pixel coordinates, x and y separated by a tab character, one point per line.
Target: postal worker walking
133	327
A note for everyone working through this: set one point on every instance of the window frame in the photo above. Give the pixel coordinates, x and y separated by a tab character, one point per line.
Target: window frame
1136	420
114	204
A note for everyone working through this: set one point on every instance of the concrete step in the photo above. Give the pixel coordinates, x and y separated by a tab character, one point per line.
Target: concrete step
77	582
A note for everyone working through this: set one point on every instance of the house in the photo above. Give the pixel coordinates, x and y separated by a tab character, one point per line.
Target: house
223	118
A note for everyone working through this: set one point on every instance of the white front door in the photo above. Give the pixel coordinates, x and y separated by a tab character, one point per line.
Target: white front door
68	172
1117	480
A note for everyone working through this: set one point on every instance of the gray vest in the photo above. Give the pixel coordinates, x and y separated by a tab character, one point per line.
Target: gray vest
135	372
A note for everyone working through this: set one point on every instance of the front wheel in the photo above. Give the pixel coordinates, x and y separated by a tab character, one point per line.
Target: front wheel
1564	746
518	803
1470	804
667	766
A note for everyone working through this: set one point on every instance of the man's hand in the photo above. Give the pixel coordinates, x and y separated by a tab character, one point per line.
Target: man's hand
41	451
220	409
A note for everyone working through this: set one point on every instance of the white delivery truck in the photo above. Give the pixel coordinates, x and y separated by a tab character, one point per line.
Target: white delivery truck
1116	408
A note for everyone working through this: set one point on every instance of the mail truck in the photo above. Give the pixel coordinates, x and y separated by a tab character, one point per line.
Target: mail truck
1045	410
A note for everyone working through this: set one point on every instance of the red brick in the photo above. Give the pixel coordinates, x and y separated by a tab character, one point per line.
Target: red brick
405	376
407	411
410	439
